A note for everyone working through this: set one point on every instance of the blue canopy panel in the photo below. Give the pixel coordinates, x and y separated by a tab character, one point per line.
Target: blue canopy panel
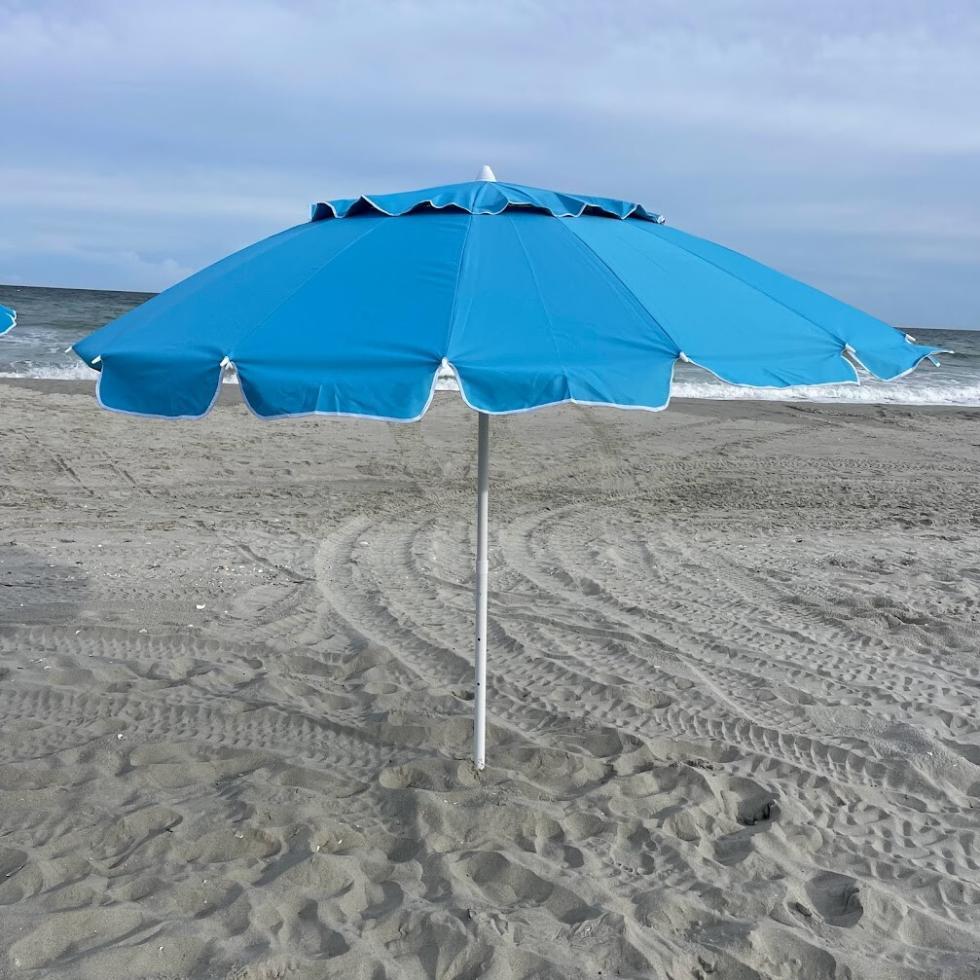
532	297
8	319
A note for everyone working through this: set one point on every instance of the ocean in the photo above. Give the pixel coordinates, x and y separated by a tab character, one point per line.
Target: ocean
50	320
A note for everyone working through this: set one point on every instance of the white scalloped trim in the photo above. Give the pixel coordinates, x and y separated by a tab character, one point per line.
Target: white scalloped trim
226	363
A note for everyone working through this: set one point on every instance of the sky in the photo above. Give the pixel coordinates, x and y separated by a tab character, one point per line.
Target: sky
836	141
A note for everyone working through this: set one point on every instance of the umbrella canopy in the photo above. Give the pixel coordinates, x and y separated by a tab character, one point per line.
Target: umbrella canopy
8	318
531	297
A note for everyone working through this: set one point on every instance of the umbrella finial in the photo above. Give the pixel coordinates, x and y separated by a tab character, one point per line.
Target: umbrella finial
486	173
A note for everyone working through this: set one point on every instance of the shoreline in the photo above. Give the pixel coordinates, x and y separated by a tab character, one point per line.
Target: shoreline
231	395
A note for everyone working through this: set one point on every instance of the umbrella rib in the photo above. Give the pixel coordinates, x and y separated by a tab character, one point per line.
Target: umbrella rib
459	277
302	285
632	297
763	292
544	305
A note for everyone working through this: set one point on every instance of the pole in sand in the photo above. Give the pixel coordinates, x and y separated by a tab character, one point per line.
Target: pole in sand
482	501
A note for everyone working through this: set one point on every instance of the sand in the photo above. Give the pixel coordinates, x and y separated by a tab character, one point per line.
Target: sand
734	681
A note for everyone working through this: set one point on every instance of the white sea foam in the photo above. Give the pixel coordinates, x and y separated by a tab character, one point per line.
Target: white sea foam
870	392
77	371
881	393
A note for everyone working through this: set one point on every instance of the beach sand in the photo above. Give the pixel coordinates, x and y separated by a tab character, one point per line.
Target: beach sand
733	694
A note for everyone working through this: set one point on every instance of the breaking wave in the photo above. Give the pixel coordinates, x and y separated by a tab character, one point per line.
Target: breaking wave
872	393
52	372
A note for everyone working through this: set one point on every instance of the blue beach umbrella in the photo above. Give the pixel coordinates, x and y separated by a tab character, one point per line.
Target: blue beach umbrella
528	297
8	319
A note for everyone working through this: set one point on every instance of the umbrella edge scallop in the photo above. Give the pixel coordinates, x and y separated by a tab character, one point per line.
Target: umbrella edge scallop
8	319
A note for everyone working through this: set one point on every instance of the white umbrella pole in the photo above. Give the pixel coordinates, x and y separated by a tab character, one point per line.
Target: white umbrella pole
482	501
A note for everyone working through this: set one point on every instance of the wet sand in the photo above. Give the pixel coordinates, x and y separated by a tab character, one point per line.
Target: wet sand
734	676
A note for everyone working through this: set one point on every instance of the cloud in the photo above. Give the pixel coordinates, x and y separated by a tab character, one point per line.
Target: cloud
84	264
184	128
